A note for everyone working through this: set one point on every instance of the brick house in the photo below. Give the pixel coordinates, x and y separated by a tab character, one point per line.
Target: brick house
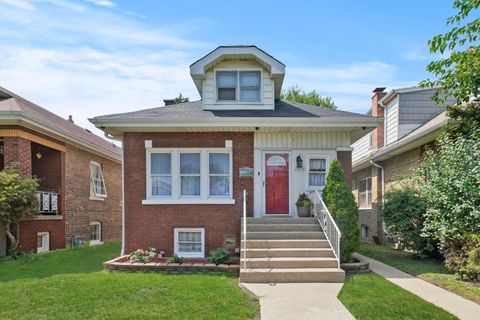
186	166
79	175
389	152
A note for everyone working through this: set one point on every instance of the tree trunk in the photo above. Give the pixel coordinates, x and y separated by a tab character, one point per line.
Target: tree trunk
10	235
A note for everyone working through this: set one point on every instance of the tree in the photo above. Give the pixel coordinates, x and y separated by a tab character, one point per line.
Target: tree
452	187
341	204
296	94
181	99
457	72
18	200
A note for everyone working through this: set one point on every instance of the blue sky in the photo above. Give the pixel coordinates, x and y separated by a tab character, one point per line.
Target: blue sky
94	57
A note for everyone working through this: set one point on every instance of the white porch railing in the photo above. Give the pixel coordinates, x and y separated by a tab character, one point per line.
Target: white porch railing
48	202
330	228
243	232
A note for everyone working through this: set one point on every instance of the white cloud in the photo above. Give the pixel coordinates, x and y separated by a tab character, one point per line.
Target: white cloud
102	3
21	4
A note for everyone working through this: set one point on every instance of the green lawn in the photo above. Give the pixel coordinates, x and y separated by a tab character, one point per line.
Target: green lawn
369	296
429	270
71	284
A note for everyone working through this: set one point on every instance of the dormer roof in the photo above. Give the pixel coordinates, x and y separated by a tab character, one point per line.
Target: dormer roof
240	52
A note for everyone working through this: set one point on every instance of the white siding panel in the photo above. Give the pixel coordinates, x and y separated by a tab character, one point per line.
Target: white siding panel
392	122
361	148
303	140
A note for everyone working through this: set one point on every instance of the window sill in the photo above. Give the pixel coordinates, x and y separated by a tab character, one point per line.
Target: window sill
194	255
95	243
46	217
188	201
97	198
365	209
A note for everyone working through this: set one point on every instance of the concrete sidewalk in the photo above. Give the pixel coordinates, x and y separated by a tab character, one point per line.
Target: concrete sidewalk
456	305
306	301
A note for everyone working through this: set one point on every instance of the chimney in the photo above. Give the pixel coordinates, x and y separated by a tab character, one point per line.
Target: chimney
169	102
378	111
70	118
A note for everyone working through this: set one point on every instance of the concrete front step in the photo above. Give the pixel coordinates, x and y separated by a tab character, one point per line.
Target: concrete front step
289	252
281	221
292	275
285	243
290	262
283	227
280	235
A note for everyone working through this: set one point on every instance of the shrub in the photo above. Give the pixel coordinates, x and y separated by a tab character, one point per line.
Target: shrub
143	256
404	214
175	259
219	256
463	257
341	204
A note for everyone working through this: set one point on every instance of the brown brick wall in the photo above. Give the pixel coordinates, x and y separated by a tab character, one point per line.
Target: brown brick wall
378	111
30	228
153	225
47	169
18	154
80	209
345	159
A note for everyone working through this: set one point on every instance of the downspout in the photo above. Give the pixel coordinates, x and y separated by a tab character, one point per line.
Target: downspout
123	199
383	190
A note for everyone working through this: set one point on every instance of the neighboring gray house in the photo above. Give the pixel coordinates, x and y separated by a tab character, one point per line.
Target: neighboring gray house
412	121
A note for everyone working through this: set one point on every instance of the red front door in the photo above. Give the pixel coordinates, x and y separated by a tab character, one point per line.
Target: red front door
276	183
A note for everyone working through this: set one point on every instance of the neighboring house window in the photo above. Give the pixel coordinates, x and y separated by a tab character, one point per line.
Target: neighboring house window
97	183
364	231
190	174
365	193
241	86
370	140
219	174
43	242
95	233
161	174
190	242
317	172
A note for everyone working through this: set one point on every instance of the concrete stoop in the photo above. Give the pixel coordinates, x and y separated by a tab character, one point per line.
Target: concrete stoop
287	250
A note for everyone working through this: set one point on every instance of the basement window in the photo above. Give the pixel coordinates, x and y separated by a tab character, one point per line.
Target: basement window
43	242
190	242
95	233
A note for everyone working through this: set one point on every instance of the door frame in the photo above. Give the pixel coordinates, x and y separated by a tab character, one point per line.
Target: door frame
263	175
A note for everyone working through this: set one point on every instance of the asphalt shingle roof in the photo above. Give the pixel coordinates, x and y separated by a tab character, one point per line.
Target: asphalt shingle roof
285	109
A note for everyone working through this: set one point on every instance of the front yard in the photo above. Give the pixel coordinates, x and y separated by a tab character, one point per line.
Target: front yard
428	270
71	284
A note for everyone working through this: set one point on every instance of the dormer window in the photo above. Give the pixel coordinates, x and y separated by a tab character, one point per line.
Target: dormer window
243	86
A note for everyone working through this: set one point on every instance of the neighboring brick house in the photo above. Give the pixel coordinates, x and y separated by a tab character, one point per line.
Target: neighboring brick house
186	166
388	153
79	175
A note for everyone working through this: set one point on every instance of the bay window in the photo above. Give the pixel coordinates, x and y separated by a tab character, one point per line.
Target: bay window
188	175
239	86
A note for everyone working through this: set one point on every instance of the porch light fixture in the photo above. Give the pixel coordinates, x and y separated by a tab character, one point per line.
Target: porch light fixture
39	155
299	162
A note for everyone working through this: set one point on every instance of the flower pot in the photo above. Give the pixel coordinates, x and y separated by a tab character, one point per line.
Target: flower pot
303	212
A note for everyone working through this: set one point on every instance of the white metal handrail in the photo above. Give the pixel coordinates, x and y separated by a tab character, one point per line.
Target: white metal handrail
48	202
244	231
330	228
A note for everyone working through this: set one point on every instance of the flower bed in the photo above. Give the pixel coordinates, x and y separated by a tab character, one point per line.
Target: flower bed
160	265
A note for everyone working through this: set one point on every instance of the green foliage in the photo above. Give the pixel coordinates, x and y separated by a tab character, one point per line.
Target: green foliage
143	256
219	256
463	257
181	99
452	187
18	201
341	204
404	214
296	94
303	200
175	259
457	71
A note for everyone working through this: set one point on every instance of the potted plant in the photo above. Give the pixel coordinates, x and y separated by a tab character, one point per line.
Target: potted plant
303	205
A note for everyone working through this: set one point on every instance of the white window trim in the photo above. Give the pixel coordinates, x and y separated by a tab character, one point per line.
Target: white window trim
307	171
47	247
96	242
193	254
368	206
93	194
237	90
176	197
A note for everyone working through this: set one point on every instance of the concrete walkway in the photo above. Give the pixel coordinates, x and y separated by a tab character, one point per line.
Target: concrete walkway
306	301
456	305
